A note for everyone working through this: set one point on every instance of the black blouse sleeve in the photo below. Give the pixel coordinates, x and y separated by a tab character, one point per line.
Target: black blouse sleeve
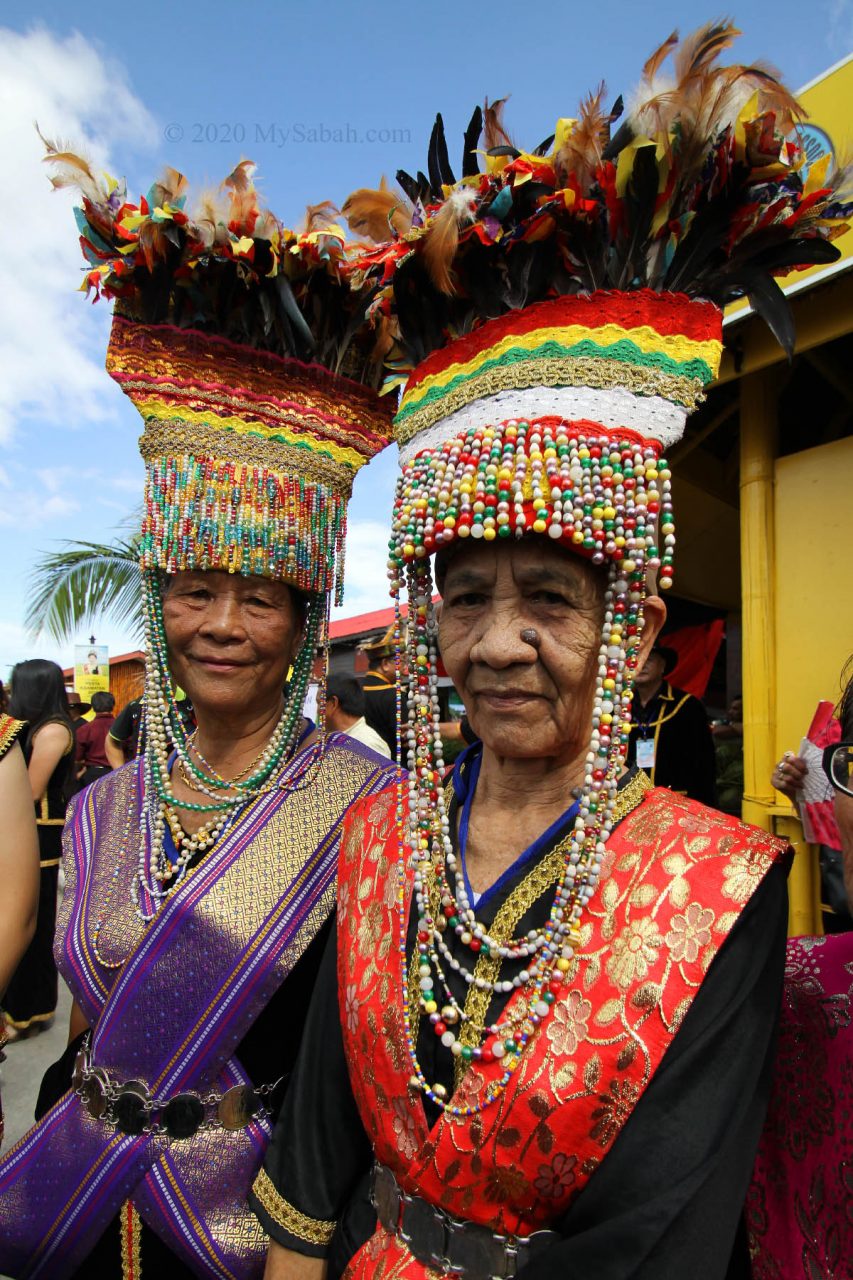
319	1152
665	1203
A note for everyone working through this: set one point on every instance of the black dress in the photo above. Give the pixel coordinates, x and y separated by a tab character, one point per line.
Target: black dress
33	991
665	1203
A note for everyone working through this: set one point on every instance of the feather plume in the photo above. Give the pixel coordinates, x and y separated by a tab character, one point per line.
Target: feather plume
319	216
71	169
231	269
442	240
377	214
700	190
170	187
581	153
494	133
240	179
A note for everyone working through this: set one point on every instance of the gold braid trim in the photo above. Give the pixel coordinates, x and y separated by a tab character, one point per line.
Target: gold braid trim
131	1239
9	730
311	1230
545	875
580	371
174	438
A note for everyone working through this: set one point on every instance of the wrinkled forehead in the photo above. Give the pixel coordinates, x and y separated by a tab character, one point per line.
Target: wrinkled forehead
220	583
531	560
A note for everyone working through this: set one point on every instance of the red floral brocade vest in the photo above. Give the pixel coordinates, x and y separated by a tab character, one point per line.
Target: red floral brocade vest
675	879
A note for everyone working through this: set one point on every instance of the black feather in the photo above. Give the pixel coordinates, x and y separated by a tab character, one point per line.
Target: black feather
409	185
504	150
438	161
544	146
768	300
291	311
623	135
617	109
640	200
469	144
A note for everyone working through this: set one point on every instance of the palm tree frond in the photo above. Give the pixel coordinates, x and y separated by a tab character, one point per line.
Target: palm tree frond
84	581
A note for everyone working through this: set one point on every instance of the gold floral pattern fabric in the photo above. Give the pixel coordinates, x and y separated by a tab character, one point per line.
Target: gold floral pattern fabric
675	878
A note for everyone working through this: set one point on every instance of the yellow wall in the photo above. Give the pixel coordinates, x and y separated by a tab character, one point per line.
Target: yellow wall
814	585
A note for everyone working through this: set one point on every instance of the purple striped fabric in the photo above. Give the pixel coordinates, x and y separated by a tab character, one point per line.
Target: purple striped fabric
173	1017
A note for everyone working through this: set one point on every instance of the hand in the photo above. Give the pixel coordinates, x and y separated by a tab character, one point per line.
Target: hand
789	775
284	1264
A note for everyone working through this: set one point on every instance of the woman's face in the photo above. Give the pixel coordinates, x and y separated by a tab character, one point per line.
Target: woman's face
523	701
231	640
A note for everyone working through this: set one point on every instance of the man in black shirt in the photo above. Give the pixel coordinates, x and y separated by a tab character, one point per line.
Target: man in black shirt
670	735
380	689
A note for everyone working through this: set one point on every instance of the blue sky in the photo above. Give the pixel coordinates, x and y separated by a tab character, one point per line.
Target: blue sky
324	97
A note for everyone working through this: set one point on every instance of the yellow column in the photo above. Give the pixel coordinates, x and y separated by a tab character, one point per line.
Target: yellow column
757	566
758	436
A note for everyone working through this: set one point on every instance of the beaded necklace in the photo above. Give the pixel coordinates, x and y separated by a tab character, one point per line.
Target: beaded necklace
424	829
166	732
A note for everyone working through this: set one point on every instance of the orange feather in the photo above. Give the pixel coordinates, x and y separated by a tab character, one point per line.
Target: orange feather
580	154
377	214
442	239
494	133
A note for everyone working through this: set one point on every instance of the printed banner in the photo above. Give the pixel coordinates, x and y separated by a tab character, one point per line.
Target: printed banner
91	670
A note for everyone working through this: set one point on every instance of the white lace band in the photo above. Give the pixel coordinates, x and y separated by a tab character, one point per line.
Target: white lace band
652	417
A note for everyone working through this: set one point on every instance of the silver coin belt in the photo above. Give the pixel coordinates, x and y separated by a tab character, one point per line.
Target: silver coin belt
129	1106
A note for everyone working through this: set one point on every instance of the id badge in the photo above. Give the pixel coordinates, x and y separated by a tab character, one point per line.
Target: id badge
645	753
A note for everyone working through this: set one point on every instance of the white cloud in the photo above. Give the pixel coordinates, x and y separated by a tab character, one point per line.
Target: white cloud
32	509
51	344
365	583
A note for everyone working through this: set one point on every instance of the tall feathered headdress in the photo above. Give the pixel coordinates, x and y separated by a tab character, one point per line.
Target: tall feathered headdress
248	355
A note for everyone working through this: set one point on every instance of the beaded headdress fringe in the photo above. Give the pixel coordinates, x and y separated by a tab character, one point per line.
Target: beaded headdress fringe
250	457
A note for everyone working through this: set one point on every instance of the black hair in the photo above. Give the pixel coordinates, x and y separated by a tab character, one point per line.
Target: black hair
102	701
348	692
38	694
844	710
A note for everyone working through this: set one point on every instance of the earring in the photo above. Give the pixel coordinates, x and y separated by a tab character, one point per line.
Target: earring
531	636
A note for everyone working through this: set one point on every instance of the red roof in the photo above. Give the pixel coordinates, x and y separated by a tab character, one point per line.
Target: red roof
379	620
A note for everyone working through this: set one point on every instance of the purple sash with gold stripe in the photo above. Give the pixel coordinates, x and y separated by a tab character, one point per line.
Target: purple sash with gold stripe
172	1015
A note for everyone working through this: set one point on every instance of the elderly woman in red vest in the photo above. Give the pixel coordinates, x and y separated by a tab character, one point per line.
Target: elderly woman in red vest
546	1029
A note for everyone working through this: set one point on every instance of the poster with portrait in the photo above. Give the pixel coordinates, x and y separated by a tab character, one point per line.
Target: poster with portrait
91	670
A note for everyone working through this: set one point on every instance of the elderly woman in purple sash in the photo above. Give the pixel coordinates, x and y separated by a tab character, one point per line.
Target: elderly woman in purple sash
201	877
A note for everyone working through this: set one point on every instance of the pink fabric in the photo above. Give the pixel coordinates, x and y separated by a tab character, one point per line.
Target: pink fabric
800	1205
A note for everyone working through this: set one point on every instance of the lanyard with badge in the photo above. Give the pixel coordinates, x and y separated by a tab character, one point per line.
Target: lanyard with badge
645	749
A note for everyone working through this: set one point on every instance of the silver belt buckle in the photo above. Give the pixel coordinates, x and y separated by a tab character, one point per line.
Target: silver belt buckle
477	1252
424	1229
385	1195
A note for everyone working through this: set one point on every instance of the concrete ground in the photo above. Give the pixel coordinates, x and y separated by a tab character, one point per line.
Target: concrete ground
26	1062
